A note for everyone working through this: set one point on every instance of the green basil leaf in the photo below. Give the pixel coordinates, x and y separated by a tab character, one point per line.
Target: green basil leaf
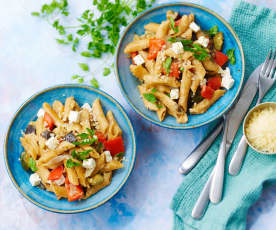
32	164
213	31
231	55
150	97
83	66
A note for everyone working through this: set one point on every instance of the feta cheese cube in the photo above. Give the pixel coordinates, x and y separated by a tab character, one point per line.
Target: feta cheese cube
174	94
108	156
203	82
138	60
34	179
194	27
203	41
52	143
40	112
87	106
74	116
177	47
60	181
89	163
227	82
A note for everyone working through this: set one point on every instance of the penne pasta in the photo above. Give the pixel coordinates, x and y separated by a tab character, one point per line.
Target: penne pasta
138	71
152	27
99	117
52	113
152	81
113	127
58	108
162	30
185	86
204	105
137	45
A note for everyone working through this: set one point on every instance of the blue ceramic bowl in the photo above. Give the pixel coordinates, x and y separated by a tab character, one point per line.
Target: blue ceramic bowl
13	148
206	19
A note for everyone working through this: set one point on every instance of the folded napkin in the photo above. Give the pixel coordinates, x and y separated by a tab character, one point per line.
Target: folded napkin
256	28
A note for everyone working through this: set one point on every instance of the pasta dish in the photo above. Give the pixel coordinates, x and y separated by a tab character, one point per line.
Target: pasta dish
72	150
181	68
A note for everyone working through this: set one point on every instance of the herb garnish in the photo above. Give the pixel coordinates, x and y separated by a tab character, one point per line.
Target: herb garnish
154	90
99	33
83	66
80	155
32	164
167	65
173	26
70	163
213	31
231	56
86	138
106	71
150	97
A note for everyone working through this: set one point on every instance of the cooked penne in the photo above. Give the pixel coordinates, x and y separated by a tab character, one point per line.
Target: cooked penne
99	117
199	74
68	156
137	45
58	108
138	71
152	27
202	106
185	86
162	80
52	113
113	127
162	30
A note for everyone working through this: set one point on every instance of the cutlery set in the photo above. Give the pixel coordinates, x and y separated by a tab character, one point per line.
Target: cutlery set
260	80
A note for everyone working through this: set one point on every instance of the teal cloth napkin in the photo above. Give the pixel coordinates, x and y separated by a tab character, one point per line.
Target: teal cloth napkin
256	28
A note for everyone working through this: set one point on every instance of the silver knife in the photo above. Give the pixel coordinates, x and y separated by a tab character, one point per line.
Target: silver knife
235	118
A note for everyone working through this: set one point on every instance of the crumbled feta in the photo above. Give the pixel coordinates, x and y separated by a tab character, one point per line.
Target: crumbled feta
108	156
60	181
203	41
88	172
227	80
89	163
194	27
138	60
40	112
34	179
174	94
87	106
74	116
52	143
177	47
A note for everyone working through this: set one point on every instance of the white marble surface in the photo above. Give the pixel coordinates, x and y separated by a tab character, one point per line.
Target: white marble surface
31	60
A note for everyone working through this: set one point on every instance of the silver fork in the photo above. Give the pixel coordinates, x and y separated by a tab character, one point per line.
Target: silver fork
266	81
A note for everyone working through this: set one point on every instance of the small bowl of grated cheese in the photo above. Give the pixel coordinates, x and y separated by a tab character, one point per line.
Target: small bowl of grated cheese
259	128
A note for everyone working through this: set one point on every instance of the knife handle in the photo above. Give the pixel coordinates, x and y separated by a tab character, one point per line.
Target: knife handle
203	199
237	159
191	161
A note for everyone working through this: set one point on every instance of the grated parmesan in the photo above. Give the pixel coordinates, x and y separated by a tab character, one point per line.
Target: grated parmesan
261	129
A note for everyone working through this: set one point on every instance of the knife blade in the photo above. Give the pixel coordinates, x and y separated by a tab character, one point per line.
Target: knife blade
235	118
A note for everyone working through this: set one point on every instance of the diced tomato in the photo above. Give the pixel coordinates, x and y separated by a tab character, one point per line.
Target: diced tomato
177	22
49	120
74	192
101	137
155	45
214	82
56	173
132	55
175	72
220	58
207	92
115	145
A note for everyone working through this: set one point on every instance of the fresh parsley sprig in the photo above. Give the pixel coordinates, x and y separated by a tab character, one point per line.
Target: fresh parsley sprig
80	155
231	55
71	163
101	33
86	138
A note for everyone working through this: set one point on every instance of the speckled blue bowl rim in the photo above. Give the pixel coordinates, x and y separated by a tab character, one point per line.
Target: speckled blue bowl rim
110	98
189	5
